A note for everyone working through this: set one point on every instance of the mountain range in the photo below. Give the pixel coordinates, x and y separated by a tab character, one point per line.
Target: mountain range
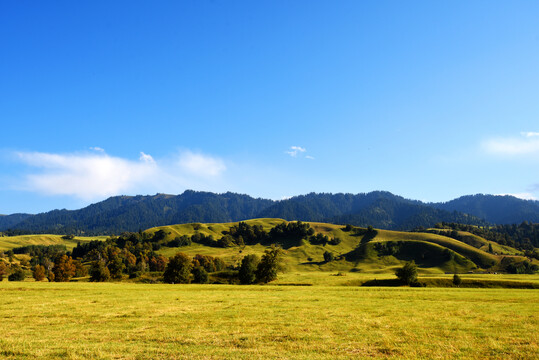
379	208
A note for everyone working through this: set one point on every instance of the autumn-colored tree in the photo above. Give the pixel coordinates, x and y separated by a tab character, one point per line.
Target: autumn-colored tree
39	273
3	270
64	268
158	263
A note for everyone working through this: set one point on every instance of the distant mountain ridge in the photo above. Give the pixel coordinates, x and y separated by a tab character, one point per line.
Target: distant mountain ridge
380	209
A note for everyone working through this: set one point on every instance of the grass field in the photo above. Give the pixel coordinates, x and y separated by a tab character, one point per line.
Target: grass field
134	321
11	242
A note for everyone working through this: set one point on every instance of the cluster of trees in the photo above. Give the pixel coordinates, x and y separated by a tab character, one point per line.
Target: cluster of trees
182	269
524	236
46	262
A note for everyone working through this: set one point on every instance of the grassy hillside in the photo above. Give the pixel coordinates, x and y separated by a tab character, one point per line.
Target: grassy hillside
11	242
356	252
378	252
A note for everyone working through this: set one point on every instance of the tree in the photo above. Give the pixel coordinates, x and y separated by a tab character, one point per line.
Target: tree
328	256
39	273
99	271
64	268
247	273
178	270
3	270
266	270
158	263
116	266
200	275
457	280
408	273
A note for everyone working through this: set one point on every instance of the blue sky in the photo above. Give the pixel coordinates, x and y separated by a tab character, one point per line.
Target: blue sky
430	100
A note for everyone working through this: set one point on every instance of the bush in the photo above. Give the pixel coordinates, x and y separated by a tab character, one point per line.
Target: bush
17	275
408	273
328	256
457	280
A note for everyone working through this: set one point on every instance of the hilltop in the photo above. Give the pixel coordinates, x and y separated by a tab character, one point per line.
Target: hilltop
379	209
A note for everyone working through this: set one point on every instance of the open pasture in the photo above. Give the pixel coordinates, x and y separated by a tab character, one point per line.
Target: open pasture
136	321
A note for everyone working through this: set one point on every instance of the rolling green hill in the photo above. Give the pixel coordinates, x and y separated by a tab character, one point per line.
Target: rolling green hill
357	251
353	249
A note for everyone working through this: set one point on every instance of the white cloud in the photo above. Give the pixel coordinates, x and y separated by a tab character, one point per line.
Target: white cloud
523	196
90	176
295	150
146	158
97	148
529	134
528	144
201	165
309	157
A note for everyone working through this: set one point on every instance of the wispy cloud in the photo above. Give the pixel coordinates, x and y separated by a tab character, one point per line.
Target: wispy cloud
97	148
201	165
523	196
527	144
89	176
294	150
529	134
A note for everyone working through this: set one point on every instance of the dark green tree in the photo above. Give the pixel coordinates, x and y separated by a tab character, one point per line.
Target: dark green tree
457	280
178	270
266	270
408	273
200	275
99	272
247	273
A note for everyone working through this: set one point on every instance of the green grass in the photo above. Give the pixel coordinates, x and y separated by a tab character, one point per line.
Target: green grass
11	242
128	321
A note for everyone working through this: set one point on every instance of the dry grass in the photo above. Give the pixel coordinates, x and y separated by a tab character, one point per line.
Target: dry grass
128	321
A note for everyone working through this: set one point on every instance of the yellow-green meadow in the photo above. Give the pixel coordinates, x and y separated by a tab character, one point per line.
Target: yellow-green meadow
138	321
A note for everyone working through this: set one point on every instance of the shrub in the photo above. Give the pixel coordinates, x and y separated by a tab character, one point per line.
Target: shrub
328	256
457	280
17	275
